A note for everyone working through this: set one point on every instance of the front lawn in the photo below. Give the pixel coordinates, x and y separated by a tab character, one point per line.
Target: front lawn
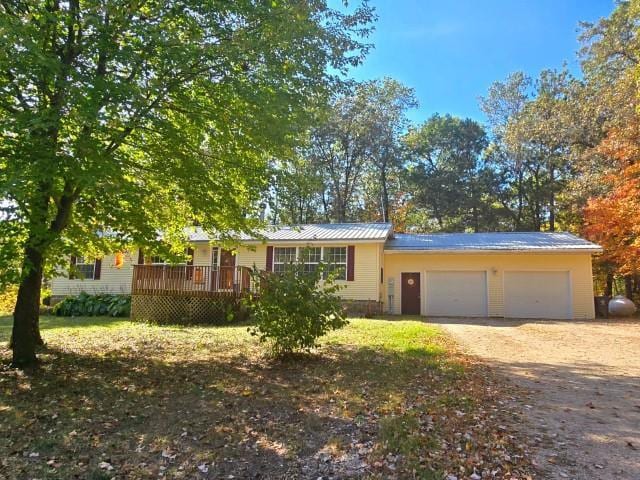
381	399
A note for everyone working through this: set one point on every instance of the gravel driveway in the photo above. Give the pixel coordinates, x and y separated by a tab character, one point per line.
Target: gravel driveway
584	378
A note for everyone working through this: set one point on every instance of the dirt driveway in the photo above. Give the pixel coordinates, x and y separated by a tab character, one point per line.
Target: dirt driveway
584	378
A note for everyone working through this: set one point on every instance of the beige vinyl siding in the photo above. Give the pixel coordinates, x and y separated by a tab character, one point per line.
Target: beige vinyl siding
253	256
577	264
112	279
201	254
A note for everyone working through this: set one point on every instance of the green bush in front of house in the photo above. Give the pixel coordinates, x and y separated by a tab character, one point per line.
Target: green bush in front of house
85	305
295	307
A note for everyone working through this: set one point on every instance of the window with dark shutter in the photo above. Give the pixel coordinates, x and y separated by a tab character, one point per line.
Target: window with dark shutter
351	262
83	268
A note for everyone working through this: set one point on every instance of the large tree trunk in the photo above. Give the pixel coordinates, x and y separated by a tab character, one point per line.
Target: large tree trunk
26	331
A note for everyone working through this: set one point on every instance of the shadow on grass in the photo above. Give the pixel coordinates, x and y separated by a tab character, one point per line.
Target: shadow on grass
147	413
51	322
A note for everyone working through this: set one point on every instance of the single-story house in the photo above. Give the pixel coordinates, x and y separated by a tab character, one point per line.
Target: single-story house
515	275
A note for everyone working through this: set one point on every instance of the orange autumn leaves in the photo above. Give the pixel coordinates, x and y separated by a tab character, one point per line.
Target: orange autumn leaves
613	219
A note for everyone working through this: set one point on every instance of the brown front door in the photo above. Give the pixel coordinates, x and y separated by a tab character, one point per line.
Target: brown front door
227	268
222	269
410	292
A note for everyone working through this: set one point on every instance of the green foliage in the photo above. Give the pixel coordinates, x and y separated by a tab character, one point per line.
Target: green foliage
295	308
450	184
349	168
8	299
85	305
138	117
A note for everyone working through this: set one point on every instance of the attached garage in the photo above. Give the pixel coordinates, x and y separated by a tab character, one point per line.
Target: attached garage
456	293
512	275
536	294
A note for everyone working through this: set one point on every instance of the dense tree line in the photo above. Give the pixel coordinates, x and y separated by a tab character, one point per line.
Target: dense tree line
556	152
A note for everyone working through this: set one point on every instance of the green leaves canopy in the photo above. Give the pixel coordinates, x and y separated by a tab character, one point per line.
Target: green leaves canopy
135	117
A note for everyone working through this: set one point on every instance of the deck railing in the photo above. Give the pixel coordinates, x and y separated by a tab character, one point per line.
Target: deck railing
190	280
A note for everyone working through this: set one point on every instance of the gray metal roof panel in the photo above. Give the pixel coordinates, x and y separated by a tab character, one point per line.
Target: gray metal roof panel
507	241
310	232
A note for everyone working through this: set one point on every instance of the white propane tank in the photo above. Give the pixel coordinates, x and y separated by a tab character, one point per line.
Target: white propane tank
621	306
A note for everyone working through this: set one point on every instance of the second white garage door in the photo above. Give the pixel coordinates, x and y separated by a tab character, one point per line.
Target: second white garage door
537	295
456	294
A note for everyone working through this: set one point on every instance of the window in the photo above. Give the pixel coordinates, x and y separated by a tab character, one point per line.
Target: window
158	260
85	268
336	260
310	257
282	256
214	258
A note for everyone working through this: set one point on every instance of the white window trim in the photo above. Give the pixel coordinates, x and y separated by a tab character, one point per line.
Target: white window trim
83	263
345	264
164	261
304	260
298	254
275	262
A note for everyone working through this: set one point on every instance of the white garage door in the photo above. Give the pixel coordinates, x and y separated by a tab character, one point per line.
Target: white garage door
456	294
537	295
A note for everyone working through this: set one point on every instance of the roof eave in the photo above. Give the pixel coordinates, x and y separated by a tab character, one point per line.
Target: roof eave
491	250
319	240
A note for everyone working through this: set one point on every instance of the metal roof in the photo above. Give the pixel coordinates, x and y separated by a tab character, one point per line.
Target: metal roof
311	232
197	234
507	241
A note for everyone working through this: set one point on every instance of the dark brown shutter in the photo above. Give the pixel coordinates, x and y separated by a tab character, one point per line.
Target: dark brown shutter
189	263
97	269
351	256
269	259
140	257
72	267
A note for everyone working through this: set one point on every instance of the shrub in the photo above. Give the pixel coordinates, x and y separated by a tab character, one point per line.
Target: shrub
85	305
8	299
295	308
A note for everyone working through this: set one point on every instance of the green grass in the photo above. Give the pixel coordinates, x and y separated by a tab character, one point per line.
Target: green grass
162	399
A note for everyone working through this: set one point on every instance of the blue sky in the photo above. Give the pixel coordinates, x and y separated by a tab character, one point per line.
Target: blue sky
450	51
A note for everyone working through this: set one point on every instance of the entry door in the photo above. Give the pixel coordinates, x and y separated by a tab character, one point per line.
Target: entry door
227	269
410	293
222	269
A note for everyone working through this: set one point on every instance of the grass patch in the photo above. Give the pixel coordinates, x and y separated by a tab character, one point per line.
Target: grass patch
378	400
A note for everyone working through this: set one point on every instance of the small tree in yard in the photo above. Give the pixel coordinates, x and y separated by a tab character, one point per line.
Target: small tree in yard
296	307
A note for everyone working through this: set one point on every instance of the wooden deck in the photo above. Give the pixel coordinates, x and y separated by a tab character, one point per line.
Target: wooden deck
190	280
